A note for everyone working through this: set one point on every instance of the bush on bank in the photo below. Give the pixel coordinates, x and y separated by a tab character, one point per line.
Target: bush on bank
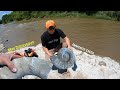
26	15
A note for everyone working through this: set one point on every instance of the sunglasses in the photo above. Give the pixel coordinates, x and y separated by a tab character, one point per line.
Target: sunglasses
51	28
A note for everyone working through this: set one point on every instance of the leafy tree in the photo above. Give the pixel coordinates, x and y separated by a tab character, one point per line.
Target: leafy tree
20	15
90	13
0	21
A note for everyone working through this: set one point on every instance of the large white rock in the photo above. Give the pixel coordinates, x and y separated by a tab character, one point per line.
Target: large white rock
89	66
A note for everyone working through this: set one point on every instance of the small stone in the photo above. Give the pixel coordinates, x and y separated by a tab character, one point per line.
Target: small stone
102	63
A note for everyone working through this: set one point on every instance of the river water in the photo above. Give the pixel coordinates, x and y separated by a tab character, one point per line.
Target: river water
100	36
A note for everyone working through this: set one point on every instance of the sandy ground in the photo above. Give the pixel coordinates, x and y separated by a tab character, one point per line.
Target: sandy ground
88	66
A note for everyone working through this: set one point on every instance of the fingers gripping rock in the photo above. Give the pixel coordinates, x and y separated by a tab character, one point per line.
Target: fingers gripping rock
27	66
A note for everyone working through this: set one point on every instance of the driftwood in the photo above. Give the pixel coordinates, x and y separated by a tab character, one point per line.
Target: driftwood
27	66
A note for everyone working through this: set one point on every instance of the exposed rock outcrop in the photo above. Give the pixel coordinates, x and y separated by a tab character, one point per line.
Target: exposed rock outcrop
88	66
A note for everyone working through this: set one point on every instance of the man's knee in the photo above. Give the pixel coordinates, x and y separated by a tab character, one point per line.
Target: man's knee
61	45
47	57
52	51
64	45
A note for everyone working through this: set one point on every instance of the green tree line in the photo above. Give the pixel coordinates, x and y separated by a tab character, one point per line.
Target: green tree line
26	15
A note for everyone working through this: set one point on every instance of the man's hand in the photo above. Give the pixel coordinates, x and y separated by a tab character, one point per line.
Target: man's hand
5	61
50	54
47	52
70	48
67	41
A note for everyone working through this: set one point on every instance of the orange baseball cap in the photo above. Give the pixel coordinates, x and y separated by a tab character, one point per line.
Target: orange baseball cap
50	23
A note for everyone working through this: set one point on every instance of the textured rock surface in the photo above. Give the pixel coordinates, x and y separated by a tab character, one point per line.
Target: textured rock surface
27	66
89	67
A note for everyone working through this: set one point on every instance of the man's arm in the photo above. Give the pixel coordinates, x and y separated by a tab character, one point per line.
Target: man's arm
67	40
46	51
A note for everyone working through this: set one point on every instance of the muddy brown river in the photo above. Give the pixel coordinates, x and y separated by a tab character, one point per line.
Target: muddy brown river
100	36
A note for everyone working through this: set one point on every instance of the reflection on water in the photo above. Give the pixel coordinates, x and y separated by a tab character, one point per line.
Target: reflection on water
100	36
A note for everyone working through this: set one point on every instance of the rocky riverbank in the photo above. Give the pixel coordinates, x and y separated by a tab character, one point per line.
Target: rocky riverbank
89	66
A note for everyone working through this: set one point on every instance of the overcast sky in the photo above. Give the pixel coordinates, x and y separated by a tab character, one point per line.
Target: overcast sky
4	12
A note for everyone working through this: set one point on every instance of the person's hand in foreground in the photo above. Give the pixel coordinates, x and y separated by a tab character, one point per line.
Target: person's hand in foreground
7	62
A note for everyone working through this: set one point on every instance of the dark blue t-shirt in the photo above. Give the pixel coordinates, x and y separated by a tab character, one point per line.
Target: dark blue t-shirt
51	41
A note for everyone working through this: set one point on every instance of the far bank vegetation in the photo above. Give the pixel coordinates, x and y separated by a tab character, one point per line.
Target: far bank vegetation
27	15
